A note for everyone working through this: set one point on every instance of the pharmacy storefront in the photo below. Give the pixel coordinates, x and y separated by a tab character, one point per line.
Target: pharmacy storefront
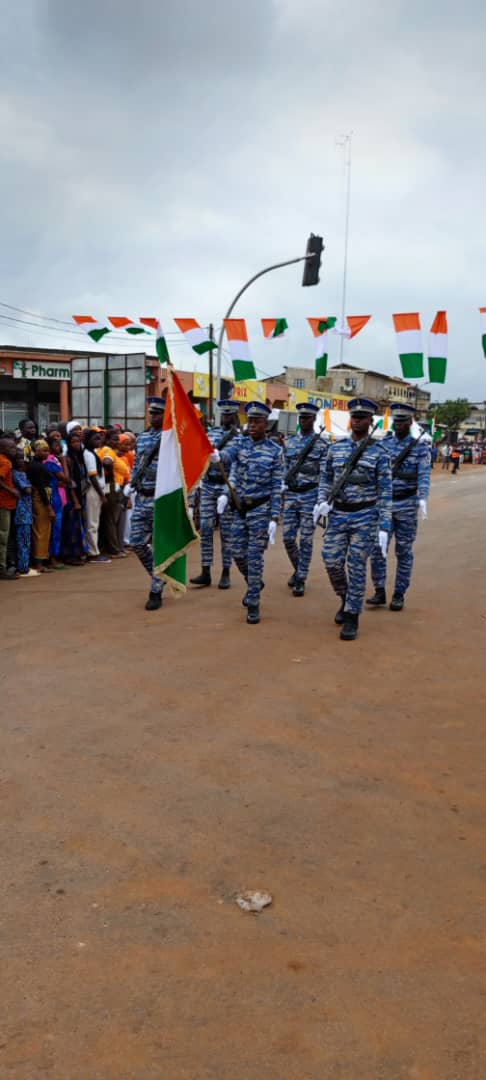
35	386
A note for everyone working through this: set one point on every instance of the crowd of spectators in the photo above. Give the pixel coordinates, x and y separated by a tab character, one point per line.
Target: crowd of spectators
65	497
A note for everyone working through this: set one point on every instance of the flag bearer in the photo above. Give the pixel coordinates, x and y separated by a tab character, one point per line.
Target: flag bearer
304	453
212	486
410	492
144	475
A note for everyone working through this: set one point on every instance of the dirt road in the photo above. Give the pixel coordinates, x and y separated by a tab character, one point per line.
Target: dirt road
155	763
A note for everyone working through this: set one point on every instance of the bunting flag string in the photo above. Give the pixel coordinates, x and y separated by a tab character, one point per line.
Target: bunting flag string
196	336
237	336
274	328
409	342
438	348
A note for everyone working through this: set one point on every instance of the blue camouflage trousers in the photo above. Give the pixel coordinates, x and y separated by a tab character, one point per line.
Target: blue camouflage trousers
298	515
348	542
141	528
404	528
249	539
207	515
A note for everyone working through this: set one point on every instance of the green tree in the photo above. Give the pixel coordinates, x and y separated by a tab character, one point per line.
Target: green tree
450	414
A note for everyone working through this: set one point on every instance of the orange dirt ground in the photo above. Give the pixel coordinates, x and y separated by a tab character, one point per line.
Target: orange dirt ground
155	763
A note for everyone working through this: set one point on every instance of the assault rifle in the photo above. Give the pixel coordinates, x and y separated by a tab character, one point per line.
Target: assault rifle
294	470
403	455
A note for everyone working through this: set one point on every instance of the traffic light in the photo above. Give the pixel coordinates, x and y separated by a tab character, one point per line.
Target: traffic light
312	266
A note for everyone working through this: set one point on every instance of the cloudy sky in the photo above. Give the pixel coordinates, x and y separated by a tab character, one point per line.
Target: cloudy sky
154	155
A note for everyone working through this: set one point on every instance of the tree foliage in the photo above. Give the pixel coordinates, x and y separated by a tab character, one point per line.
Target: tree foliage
450	414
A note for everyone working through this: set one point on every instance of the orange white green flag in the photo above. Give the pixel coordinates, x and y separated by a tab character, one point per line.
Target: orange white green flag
482	317
320	329
95	330
409	344
239	348
274	328
354	323
196	336
183	458
160	342
438	348
122	322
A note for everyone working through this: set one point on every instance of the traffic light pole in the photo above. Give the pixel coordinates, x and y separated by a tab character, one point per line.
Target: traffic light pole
277	266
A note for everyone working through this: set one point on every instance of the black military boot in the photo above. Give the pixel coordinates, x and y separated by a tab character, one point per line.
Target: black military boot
253	614
245	598
154	601
299	587
397	602
378	599
339	616
224	581
350	626
291	581
204	578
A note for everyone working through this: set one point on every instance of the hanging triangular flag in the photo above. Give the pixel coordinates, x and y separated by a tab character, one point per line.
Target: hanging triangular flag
320	328
273	328
409	343
482	317
121	322
183	457
237	336
160	342
196	336
95	330
354	323
438	348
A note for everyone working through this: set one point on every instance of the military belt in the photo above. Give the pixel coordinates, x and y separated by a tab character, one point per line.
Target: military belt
299	489
353	507
251	504
398	496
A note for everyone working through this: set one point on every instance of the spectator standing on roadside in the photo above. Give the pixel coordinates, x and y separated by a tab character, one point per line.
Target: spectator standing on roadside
28	433
73	543
8	503
445	453
59	481
455	458
42	512
23	516
95	495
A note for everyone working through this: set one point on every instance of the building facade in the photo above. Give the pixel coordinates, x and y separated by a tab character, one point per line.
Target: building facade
344	381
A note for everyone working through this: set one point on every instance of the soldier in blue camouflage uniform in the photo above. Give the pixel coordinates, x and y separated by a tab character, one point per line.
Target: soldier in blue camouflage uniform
143	479
256	470
357	516
300	494
410	492
212	486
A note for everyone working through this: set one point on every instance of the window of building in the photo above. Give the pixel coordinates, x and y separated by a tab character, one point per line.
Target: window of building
299	384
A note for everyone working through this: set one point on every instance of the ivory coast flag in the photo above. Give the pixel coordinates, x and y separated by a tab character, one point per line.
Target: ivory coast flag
121	322
438	348
237	336
183	457
354	323
409	343
95	330
320	328
482	317
273	328
196	336
160	342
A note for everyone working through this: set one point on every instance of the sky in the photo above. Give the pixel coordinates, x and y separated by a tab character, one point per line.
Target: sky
154	156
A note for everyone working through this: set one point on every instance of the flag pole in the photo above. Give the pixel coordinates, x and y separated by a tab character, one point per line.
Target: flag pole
345	141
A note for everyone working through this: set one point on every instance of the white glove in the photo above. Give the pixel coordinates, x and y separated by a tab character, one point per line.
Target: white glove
423	508
214	456
221	504
284	488
383	541
320	510
272	532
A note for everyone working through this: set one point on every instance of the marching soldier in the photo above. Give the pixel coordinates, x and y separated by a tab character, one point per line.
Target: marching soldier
410	462
256	477
144	475
304	454
212	486
355	494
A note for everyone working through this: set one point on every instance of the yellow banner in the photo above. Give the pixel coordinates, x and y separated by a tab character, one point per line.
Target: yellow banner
249	390
200	384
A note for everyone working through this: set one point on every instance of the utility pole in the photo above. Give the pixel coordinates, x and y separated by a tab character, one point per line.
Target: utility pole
211	371
345	142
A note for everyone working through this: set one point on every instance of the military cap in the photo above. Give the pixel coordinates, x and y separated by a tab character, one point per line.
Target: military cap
229	406
156	404
402	411
307	408
257	408
362	405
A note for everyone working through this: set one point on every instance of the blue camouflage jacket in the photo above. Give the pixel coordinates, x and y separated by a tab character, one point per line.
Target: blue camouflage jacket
145	444
308	474
414	474
370	479
216	436
256	469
